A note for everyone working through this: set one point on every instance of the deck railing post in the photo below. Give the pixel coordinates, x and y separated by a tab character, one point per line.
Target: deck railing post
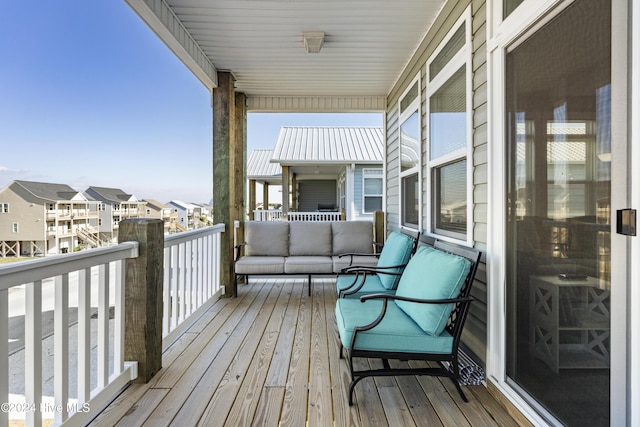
143	295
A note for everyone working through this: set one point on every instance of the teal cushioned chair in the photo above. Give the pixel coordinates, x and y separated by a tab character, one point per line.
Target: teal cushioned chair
355	281
423	320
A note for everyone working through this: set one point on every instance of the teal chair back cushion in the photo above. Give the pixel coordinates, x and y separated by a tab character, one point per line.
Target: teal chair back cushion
396	251
432	274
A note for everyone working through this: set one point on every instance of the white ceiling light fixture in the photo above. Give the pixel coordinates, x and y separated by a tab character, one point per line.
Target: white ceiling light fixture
313	41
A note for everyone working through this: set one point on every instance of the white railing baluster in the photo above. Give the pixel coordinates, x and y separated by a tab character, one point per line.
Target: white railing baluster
61	347
33	352
118	319
84	336
181	282
174	287
103	325
166	292
4	353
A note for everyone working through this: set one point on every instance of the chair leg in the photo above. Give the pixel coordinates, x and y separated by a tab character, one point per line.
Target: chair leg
340	351
309	282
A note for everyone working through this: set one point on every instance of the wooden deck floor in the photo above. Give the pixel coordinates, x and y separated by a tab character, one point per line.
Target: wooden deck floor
270	357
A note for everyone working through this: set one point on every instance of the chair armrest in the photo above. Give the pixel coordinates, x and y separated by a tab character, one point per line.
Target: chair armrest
417	300
365	269
238	248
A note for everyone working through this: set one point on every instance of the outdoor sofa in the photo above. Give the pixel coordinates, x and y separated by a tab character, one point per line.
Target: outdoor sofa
303	248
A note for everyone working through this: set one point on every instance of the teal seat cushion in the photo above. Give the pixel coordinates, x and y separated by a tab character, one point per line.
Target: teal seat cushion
372	285
432	274
397	332
396	251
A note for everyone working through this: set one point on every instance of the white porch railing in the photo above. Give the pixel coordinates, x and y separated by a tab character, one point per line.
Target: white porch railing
276	215
314	216
191	284
191	278
267	215
22	285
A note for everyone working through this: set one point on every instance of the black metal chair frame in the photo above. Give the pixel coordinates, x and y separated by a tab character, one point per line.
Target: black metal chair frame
455	325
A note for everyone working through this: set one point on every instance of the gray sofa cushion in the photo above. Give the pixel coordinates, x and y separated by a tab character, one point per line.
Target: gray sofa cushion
260	265
308	265
352	237
267	238
310	238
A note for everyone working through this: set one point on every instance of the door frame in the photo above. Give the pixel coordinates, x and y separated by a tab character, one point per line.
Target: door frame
527	19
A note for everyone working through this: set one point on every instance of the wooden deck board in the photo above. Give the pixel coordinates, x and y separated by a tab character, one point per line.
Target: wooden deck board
271	357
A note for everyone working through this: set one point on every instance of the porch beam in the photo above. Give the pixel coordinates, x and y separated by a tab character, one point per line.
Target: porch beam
317	104
224	135
265	195
161	19
294	192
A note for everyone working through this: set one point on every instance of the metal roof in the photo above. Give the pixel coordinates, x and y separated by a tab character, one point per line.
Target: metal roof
338	145
367	45
259	165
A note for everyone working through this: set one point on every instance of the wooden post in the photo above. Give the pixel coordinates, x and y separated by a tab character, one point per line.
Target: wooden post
252	198
143	295
285	192
239	151
223	133
265	195
378	227
294	192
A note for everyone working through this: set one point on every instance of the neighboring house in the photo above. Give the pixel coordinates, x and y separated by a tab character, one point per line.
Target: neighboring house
115	205
327	169
260	170
186	214
158	210
38	218
206	215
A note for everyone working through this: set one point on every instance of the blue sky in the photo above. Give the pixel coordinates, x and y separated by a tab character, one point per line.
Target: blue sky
90	96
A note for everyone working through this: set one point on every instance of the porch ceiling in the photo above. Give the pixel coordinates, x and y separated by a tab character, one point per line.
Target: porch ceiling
367	44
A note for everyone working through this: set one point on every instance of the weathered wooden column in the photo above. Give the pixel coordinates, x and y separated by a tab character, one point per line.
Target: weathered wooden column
143	295
223	203
378	227
252	198
265	195
285	191
294	193
239	153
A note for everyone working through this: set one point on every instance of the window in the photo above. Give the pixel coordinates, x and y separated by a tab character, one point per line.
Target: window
15	228
4	207
372	185
449	139
410	153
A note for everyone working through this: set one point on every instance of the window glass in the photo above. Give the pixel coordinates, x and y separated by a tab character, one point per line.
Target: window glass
410	142
410	201
448	116
453	46
509	6
372	189
450	190
411	96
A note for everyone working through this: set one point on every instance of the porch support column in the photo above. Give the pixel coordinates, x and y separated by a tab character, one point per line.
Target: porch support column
239	164
143	295
294	192
252	198
224	137
265	196
285	191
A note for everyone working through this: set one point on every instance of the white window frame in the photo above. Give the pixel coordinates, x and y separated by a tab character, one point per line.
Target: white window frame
376	173
413	107
15	227
462	58
4	207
